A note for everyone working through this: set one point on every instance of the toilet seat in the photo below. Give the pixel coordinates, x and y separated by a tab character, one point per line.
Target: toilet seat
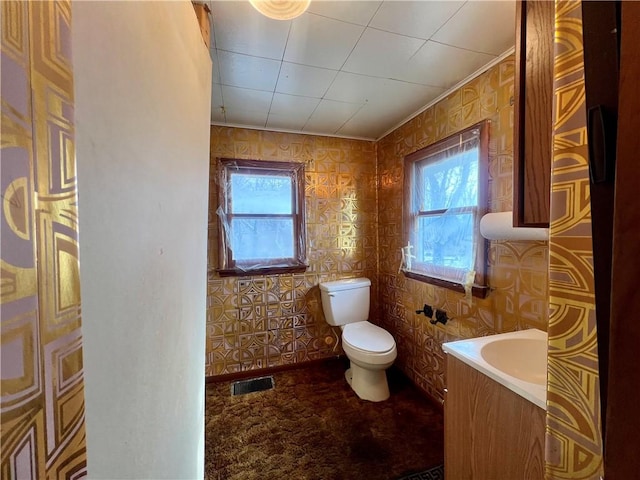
367	337
368	343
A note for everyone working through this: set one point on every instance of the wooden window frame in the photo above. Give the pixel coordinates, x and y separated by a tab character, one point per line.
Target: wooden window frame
479	288
228	266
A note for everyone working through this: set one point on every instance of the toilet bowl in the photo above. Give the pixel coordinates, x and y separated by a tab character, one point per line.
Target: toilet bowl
369	348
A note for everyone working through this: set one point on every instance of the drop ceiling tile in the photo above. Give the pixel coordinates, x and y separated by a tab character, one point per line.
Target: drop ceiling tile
394	104
405	101
248	72
303	80
285	122
217	116
215	67
487	27
217	100
359	12
381	54
415	19
353	88
217	109
398	76
426	66
320	41
330	115
368	123
290	112
246	99
212	36
295	106
239	28
246	118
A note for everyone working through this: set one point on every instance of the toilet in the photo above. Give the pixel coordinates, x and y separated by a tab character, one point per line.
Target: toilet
370	349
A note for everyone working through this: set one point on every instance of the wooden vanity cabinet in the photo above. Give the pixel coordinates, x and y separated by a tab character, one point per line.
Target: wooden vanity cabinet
490	432
533	121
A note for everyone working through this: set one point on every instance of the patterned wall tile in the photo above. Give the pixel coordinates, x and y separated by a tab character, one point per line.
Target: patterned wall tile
346	238
266	321
42	404
517	270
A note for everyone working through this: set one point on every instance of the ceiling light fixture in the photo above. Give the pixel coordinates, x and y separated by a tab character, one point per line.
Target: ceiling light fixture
281	9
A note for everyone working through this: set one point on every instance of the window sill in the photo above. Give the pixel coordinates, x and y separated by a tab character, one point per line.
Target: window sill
238	272
477	291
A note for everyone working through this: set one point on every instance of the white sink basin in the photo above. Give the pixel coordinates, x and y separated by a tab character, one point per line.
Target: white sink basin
517	360
523	358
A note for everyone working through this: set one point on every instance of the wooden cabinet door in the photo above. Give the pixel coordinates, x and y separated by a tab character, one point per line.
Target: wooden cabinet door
490	431
533	97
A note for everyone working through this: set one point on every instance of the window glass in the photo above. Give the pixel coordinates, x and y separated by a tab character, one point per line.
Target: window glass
445	196
262	238
452	181
261	217
446	241
264	193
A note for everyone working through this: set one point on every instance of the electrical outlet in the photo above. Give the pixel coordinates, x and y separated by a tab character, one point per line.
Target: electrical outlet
441	316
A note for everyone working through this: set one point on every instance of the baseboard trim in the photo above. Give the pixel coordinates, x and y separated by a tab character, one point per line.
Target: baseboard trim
227	377
232	377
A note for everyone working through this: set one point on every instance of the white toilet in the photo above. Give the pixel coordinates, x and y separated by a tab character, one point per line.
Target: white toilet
370	349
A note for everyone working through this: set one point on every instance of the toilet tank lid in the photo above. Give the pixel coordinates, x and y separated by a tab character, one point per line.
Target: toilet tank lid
345	284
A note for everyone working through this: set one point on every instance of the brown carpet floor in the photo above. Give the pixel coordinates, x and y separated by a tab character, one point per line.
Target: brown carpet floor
312	426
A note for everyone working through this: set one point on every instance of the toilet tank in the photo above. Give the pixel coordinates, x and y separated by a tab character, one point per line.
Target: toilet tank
345	301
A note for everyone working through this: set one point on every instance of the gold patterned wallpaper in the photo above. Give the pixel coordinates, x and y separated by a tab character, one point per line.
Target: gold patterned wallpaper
272	320
574	438
354	206
354	211
268	321
517	270
42	387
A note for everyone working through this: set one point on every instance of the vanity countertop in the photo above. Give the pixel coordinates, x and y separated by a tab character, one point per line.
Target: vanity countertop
517	360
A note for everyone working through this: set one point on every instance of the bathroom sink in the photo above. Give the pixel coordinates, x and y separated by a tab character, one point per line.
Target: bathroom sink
517	360
523	358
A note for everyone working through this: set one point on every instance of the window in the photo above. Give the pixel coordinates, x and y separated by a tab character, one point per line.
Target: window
261	217
445	197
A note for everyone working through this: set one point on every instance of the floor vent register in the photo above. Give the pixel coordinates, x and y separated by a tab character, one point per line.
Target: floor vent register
252	385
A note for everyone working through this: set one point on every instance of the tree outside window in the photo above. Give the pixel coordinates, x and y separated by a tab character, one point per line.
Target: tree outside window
445	196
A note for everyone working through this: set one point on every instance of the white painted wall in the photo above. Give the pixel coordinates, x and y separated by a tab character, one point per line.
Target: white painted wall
142	81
